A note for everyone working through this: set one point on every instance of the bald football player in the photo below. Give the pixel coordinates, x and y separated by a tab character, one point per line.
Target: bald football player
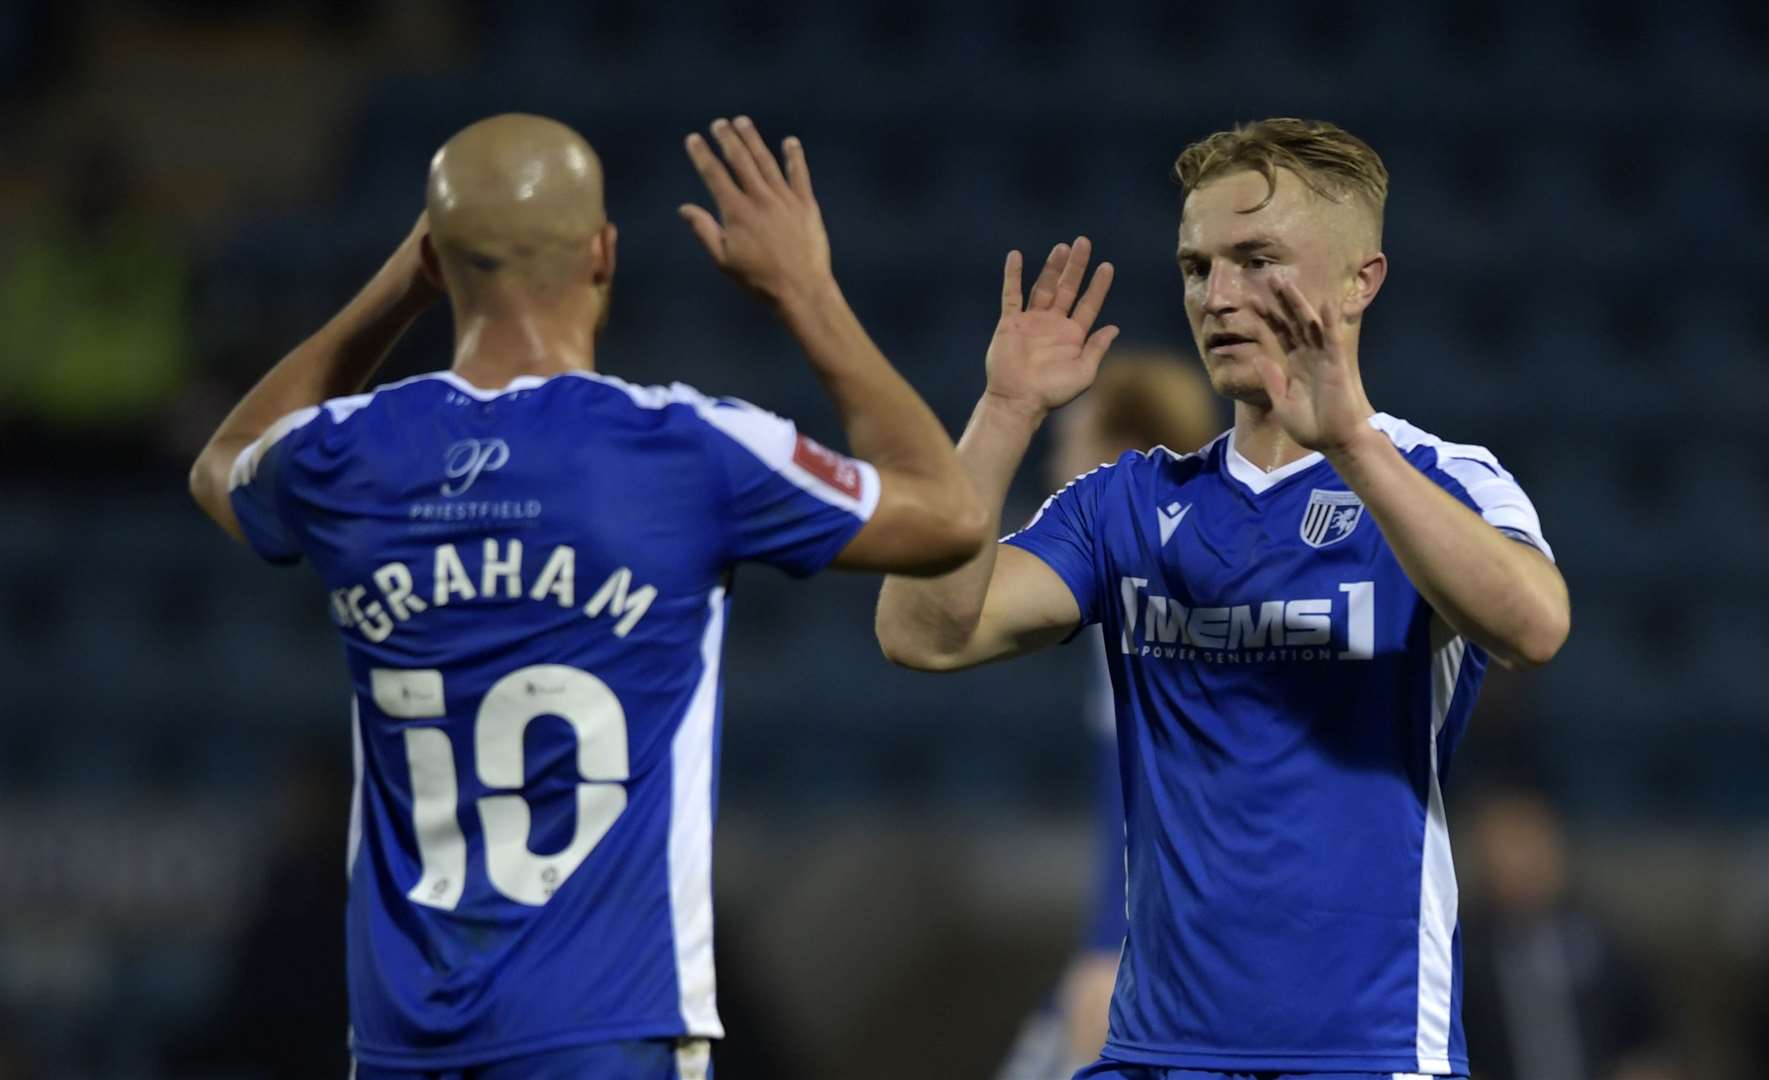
528	561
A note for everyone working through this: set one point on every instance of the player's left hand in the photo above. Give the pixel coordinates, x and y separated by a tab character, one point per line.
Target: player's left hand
1316	390
769	233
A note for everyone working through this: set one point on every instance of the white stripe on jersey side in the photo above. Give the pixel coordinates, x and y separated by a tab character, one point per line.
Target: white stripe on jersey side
1502	502
354	843
691	836
1437	871
693	1059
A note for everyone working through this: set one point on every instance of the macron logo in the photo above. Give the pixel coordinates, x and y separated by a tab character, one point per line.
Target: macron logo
1170	519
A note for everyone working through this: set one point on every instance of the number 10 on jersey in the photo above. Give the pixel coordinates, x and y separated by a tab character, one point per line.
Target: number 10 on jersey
599	724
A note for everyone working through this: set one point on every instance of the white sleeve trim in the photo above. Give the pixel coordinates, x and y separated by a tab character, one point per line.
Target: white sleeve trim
774	439
1501	501
245	466
1057	494
771	439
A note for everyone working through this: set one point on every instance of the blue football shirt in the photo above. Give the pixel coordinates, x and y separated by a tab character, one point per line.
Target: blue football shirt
1287	709
531	588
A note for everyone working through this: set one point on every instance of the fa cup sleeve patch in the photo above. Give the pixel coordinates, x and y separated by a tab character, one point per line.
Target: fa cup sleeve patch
836	470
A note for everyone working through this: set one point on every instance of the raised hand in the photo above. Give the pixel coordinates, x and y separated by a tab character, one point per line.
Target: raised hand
414	260
1316	392
1043	354
768	234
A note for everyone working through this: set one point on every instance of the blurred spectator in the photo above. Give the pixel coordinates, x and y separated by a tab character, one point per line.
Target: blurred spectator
94	318
1550	993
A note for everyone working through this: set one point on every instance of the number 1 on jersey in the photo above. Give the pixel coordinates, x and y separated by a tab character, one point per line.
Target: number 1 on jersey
514	701
1360	621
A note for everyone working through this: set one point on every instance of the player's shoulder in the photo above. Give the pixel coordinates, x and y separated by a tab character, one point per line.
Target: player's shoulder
678	404
345	413
1177	467
1472	469
1162	461
1113	484
322	429
1416	443
606	397
664	402
1136	468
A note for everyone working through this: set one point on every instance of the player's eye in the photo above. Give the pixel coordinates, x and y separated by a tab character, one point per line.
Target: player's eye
1259	262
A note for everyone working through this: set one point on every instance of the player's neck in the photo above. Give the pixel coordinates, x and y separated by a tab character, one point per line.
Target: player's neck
494	348
1262	440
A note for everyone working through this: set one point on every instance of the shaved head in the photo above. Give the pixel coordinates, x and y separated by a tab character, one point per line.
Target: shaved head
515	206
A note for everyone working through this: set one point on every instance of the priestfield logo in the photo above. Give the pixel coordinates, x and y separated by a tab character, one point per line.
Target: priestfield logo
465	460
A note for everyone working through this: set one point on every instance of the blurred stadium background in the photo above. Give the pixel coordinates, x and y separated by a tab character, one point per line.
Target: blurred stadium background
1578	227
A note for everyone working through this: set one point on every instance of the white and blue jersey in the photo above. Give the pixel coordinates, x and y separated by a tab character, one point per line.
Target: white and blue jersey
531	587
1287	709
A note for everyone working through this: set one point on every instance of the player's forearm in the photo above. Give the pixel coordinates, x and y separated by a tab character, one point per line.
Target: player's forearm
931	622
886	421
339	359
1498	593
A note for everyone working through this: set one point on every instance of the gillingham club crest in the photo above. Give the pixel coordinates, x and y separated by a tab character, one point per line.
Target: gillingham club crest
1330	517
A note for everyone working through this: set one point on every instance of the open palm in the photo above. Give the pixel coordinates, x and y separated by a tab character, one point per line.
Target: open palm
1317	393
1043	354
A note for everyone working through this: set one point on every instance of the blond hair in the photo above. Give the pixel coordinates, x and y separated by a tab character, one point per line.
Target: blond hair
1331	161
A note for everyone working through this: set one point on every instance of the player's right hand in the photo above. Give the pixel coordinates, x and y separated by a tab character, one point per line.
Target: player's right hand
1045	351
768	234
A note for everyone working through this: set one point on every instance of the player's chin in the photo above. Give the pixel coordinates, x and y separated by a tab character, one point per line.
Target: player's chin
1238	380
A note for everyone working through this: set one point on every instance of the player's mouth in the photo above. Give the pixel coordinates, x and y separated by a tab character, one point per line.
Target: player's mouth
1223	341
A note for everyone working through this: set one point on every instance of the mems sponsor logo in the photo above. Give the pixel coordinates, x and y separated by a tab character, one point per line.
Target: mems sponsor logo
1339	627
395	597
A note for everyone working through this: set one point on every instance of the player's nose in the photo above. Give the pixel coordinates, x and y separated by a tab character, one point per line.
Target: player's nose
1222	289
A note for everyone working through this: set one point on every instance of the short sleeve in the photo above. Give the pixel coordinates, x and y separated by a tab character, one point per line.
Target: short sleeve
1065	534
793	503
257	488
1475	476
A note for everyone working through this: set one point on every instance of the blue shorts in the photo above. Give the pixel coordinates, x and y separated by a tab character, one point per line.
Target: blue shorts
639	1059
1107	1069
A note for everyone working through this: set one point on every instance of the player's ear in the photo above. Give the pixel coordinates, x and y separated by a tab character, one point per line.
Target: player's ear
1365	284
431	265
602	254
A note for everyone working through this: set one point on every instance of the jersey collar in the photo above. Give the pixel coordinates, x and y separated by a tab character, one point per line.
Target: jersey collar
520	382
1257	478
